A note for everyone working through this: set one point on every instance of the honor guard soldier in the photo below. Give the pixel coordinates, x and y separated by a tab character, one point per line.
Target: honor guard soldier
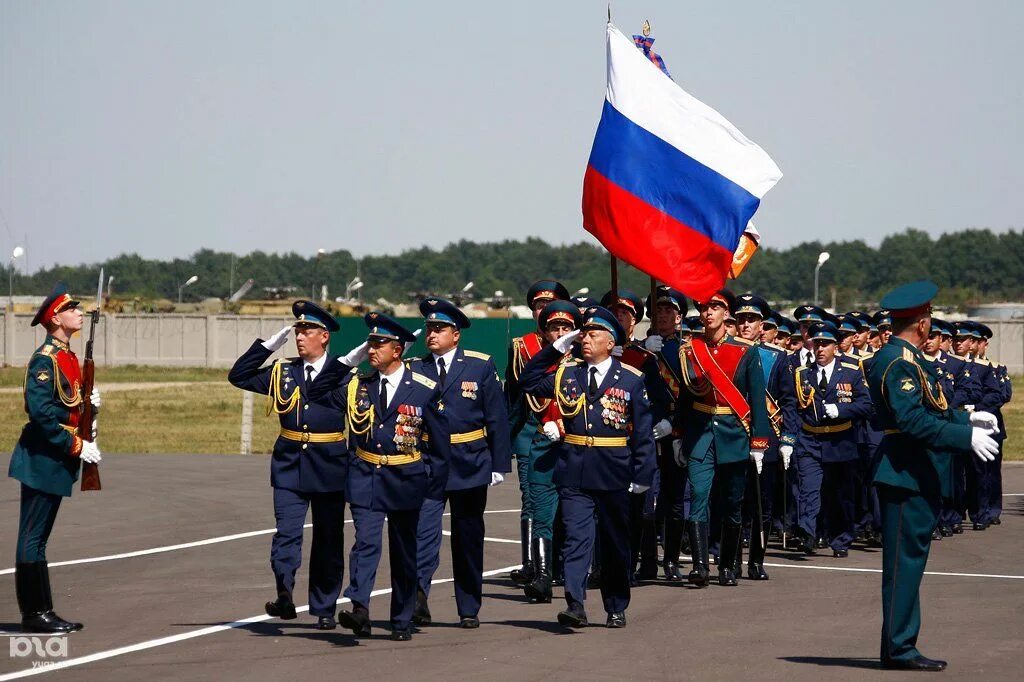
607	453
398	455
997	392
784	331
47	458
862	322
481	456
309	464
883	323
830	397
912	470
556	320
524	414
726	425
846	333
752	313
666	316
628	310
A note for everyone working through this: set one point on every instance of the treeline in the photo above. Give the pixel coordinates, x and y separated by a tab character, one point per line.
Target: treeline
970	266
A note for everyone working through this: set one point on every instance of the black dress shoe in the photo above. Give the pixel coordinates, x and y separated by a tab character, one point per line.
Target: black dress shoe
325	623
726	578
283	608
672	573
936	534
401	635
958	528
840	553
573	617
616	620
979	526
756	572
806	545
946	531
918	663
47	622
996	521
357	620
469	622
421	613
821	544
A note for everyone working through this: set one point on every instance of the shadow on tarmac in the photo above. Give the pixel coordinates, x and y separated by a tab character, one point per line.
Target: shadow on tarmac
835	662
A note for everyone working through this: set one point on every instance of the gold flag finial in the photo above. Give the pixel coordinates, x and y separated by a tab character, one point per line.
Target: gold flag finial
647	28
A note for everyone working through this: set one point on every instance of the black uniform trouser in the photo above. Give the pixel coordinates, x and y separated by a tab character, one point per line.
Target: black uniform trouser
611	509
467	545
35	522
671	496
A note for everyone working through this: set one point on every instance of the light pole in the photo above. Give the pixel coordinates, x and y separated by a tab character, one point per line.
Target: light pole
110	286
822	257
316	266
18	252
187	283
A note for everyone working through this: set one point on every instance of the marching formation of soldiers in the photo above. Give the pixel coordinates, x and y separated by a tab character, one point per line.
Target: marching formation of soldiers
713	435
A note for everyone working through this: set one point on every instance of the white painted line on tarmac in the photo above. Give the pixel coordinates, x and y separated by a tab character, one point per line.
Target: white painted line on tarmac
1013	494
208	541
193	634
852	569
486	539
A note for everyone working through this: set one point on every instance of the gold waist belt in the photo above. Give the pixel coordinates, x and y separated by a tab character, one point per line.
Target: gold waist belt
835	428
386	460
467	437
307	437
596	441
712	409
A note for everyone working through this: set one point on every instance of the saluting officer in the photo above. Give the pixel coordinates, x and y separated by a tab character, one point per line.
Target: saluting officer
474	408
310	463
724	427
607	453
524	414
912	469
830	397
47	458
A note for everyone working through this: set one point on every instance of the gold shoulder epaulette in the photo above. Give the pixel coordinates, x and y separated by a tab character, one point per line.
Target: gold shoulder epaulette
632	369
849	365
908	355
745	342
570	362
865	355
958	357
476	354
426	381
46	350
799	369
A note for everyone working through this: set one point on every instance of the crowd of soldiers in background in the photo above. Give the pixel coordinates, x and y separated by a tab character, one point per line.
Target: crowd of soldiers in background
812	487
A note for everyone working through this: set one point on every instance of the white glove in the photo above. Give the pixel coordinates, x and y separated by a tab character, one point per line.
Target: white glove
985	420
617	351
90	453
758	457
831	411
410	344
662	429
562	344
277	340
787	452
969	408
94	428
496	478
550	429
677	453
636	488
984	445
94	398
355	356
654	343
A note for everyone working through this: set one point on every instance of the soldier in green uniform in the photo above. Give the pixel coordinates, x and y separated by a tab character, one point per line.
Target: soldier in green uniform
47	457
913	467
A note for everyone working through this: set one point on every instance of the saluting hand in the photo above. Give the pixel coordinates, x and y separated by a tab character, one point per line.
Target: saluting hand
410	344
278	340
563	343
355	356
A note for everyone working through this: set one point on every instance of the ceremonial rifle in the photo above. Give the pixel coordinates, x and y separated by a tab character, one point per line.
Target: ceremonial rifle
90	471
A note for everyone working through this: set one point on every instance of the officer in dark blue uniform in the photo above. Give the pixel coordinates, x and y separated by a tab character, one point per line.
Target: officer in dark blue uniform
47	457
607	452
481	456
997	392
398	452
830	396
310	462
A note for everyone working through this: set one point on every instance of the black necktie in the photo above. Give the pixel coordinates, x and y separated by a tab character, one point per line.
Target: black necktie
309	374
593	381
810	359
384	393
441	373
822	381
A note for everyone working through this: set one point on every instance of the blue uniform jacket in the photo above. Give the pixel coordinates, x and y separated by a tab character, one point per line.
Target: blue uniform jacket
830	440
303	467
623	395
473	400
959	383
415	411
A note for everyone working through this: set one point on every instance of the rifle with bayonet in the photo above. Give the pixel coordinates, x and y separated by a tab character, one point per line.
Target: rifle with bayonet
90	470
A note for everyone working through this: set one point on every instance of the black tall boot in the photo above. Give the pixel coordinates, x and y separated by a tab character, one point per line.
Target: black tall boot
648	551
673	540
755	563
557	542
732	535
737	562
539	590
32	585
700	574
521	576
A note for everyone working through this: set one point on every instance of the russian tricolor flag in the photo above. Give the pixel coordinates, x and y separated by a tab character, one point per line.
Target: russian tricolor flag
671	184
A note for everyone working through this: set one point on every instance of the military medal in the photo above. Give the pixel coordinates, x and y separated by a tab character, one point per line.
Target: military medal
469	389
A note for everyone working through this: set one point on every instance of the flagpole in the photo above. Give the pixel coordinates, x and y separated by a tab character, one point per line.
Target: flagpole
615	277
654	302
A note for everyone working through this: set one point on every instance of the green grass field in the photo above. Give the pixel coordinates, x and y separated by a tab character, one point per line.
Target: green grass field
207	419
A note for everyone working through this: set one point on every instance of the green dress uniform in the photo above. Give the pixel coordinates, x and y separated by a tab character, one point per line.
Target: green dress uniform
912	472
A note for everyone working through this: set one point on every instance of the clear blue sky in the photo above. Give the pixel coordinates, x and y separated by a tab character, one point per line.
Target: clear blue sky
164	127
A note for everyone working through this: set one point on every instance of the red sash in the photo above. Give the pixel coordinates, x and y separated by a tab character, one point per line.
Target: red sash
720	380
531	345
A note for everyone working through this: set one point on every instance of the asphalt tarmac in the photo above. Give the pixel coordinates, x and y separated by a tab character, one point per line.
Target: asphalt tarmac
168	568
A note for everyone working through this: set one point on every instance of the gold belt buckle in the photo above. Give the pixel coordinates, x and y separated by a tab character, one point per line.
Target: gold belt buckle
383	461
590	441
305	436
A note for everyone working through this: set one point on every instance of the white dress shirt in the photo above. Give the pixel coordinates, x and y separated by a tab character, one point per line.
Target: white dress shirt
317	366
393	380
602	370
449	358
828	372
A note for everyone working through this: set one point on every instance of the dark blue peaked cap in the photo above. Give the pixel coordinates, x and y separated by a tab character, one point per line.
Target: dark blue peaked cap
386	327
597	317
307	312
440	310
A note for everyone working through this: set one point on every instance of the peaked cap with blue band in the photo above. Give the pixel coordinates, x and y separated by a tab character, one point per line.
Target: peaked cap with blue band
754	305
383	326
823	331
442	311
604	319
307	312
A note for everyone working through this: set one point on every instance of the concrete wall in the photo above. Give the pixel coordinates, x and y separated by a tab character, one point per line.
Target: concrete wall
217	340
